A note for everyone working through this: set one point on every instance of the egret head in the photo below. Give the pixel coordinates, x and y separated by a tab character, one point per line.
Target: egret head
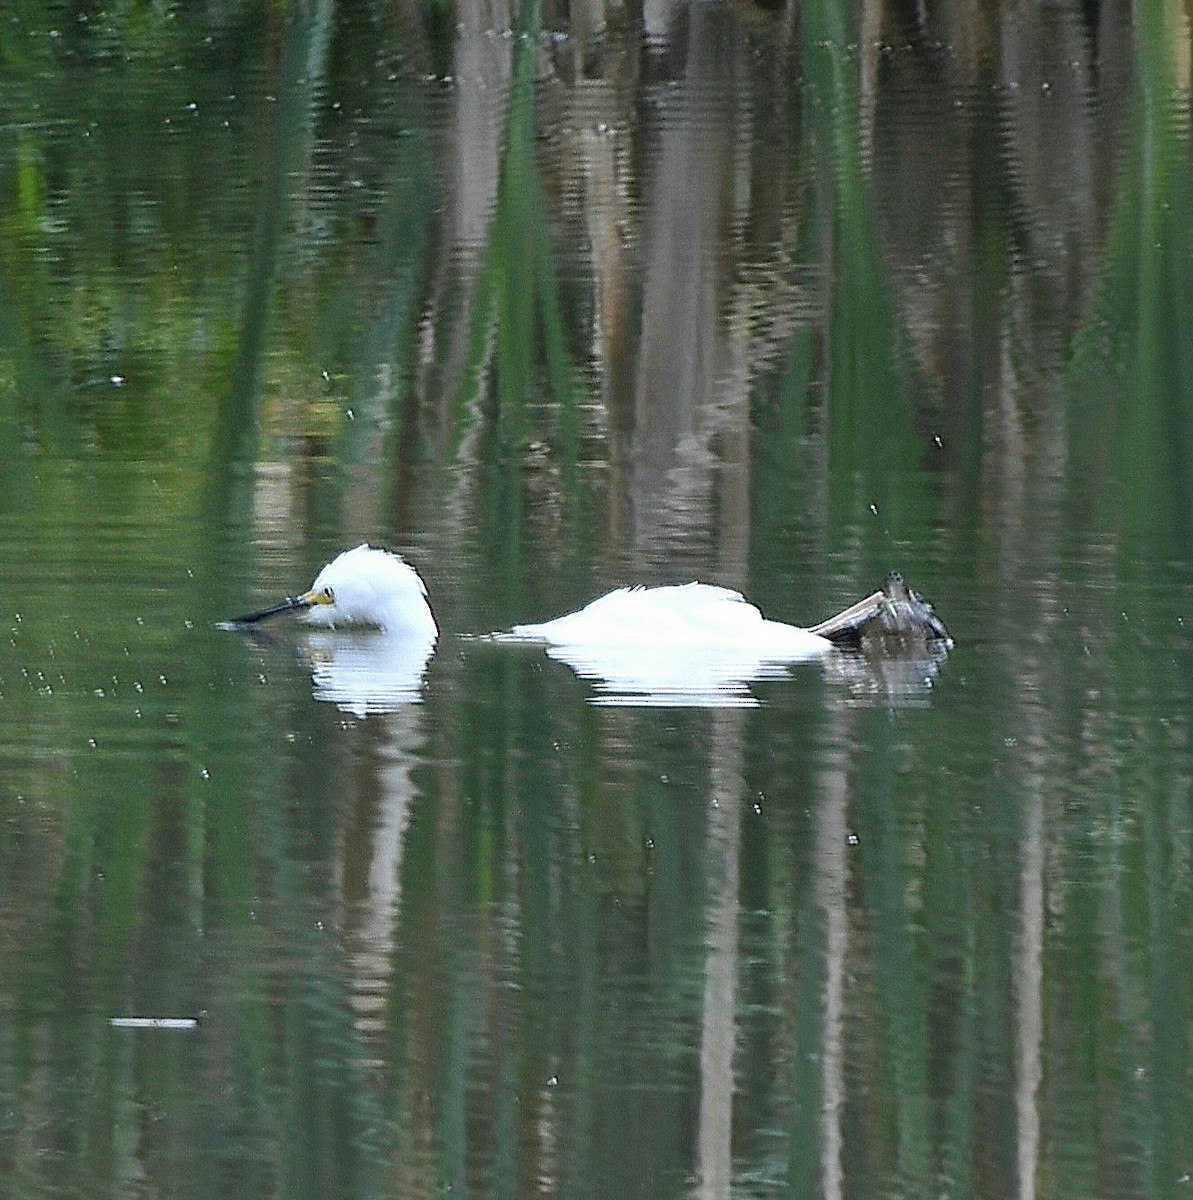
364	586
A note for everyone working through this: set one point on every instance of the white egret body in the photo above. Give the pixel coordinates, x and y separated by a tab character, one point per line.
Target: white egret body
693	616
684	644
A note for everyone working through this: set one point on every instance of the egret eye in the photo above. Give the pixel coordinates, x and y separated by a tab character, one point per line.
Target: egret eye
331	596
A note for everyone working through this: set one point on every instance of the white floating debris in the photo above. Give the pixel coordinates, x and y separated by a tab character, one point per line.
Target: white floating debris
182	1023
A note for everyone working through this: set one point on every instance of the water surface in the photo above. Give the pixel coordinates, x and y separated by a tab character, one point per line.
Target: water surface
776	299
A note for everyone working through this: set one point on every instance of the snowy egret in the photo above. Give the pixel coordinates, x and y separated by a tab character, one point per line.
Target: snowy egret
695	615
696	644
362	586
686	616
691	643
366	586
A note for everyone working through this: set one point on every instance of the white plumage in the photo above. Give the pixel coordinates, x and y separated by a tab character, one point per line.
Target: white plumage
690	643
365	586
694	615
684	644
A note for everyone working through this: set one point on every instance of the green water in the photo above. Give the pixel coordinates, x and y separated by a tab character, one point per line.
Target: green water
779	300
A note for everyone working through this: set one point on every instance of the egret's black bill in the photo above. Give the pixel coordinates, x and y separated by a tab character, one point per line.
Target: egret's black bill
287	605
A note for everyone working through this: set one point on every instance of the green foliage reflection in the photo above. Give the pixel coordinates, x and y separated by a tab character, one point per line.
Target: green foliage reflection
1131	381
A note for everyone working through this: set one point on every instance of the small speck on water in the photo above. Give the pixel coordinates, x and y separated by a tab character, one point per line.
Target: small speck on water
180	1024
